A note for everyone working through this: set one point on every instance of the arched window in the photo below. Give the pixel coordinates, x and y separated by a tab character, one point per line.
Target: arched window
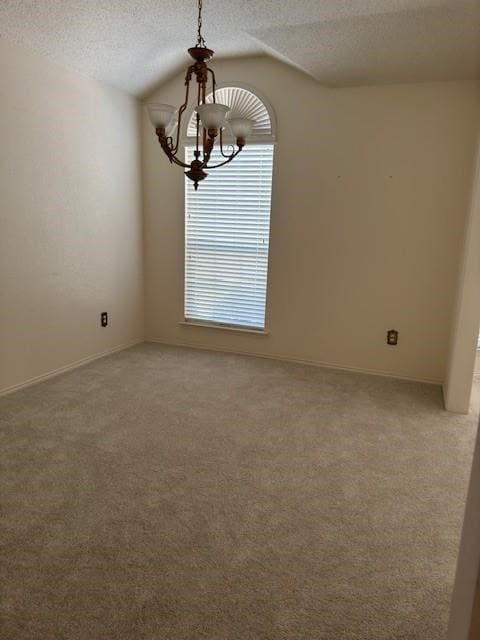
227	223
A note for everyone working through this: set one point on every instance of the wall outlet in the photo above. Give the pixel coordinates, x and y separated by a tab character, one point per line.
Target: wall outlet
104	319
392	337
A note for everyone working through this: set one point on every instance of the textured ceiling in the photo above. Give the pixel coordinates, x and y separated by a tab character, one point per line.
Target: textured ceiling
136	44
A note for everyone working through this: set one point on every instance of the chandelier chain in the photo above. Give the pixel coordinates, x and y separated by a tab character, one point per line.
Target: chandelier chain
200	41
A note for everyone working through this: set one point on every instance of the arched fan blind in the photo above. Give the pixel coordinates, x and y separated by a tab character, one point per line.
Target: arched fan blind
227	228
244	104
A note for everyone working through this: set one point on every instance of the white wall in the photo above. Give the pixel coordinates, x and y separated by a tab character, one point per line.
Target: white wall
469	558
70	217
371	189
458	386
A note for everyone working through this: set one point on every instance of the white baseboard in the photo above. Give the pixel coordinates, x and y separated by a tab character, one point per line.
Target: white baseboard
461	409
314	363
68	367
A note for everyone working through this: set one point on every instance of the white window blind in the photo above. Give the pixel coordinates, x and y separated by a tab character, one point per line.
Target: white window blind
227	226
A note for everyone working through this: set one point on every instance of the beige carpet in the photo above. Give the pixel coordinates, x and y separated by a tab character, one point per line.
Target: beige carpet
167	494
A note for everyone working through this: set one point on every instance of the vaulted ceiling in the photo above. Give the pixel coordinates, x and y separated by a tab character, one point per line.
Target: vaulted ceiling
137	44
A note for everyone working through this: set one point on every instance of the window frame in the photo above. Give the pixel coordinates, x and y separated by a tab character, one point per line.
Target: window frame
225	325
269	139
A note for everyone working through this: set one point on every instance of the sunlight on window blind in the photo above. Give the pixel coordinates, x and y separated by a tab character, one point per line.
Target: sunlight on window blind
227	224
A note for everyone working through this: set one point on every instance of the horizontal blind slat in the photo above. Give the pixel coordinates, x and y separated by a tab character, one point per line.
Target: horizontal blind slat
227	226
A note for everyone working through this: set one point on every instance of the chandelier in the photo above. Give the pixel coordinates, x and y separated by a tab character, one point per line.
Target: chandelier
211	118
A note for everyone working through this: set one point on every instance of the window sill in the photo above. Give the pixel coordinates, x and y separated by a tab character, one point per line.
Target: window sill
211	325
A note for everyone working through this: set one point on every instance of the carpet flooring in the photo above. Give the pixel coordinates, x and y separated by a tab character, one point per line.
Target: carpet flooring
175	494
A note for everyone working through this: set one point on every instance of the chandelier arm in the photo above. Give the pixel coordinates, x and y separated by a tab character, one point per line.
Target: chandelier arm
205	146
171	154
221	146
208	148
198	121
206	151
229	159
176	161
183	107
